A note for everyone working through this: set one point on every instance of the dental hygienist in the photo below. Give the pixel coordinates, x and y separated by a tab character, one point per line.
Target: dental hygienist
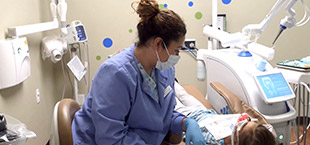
132	97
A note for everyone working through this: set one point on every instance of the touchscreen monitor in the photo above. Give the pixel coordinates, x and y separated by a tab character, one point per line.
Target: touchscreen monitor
274	87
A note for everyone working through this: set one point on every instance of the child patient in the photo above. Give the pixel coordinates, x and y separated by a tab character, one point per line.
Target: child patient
251	133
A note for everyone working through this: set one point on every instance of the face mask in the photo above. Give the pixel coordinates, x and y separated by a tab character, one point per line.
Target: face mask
172	60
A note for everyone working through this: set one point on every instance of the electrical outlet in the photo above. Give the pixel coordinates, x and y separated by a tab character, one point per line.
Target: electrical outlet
190	43
38	96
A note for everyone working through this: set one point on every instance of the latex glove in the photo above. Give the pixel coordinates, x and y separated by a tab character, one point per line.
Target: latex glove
193	133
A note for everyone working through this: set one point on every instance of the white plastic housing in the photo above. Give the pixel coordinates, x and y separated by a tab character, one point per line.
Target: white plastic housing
225	38
14	62
53	47
76	32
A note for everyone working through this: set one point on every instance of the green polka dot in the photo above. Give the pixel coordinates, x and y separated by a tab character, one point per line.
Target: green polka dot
198	15
162	6
130	30
98	57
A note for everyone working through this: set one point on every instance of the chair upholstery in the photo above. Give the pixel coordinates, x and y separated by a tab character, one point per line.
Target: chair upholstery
235	104
66	110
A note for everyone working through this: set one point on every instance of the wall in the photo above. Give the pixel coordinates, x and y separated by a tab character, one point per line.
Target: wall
20	101
117	21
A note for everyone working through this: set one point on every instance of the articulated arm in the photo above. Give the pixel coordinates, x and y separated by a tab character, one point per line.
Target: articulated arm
254	30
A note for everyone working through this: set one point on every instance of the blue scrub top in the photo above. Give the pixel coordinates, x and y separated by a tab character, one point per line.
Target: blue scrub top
120	108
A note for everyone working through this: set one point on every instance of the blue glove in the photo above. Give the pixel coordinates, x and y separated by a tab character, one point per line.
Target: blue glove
193	133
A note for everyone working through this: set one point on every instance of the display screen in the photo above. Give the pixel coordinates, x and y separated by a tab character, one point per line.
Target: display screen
274	85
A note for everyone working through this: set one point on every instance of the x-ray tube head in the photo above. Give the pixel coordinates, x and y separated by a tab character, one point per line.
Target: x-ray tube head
53	47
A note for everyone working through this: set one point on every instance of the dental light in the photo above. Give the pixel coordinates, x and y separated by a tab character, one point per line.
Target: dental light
252	32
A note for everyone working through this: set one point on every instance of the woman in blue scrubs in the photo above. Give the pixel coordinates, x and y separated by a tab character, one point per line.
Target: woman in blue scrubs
132	98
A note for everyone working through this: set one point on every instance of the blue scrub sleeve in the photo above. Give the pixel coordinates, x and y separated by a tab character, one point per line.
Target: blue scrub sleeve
113	89
177	118
176	126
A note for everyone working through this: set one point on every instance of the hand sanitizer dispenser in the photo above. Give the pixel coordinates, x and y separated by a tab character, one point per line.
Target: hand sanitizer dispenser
14	62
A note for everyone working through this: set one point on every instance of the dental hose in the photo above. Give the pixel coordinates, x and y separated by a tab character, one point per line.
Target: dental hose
194	55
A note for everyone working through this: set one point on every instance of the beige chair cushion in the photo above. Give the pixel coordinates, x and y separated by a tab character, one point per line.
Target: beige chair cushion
235	104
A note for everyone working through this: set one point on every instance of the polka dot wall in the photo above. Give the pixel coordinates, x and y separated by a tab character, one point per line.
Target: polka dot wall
108	42
226	2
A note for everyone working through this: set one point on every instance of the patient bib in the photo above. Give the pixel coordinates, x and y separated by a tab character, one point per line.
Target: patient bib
220	126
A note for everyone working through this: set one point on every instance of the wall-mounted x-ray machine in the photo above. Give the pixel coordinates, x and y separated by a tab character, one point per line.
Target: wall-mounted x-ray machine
14	51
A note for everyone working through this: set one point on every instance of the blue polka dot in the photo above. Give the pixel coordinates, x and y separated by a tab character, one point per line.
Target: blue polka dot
165	5
107	42
190	3
226	2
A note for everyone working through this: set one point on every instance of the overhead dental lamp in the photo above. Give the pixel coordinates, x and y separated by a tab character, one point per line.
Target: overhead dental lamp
250	33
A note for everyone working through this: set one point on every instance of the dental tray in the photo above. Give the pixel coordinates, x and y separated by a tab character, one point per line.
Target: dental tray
296	64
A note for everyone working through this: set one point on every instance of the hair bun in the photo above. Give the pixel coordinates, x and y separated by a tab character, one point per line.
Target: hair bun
147	9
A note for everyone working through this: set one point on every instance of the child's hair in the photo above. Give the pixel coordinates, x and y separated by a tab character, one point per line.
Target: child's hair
258	135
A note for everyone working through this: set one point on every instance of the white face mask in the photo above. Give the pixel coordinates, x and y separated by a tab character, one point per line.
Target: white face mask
172	61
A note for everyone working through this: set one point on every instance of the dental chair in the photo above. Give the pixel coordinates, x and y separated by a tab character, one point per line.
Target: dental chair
235	106
64	112
65	109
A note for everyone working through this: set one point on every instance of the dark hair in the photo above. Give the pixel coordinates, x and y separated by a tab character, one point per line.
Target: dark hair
157	22
260	135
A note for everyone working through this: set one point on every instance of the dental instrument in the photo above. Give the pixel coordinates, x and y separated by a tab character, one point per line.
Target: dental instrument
289	21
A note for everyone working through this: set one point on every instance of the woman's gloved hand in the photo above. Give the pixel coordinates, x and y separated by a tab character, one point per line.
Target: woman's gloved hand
193	133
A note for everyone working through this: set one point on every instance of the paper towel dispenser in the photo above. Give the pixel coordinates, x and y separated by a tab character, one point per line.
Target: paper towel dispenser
14	61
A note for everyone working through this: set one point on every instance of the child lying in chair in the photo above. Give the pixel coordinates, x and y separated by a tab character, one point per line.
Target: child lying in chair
245	132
